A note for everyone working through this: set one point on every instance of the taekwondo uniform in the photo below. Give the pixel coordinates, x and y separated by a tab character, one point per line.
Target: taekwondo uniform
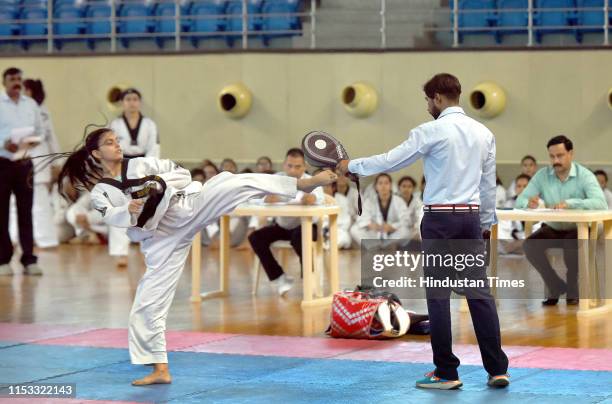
165	228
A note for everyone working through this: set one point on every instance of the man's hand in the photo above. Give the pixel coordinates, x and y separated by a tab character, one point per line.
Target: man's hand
374	227
560	205
309	199
342	167
10	146
387	228
486	234
272	199
534	202
135	206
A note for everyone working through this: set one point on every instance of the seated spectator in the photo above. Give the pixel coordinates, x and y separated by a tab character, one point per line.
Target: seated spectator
210	170
529	166
197	174
65	231
344	186
370	191
602	178
564	185
407	186
228	165
87	222
264	165
512	233
384	217
285	228
344	218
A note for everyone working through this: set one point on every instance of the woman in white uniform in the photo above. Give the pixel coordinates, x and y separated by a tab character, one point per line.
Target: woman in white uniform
138	137
163	209
384	217
45	231
406	187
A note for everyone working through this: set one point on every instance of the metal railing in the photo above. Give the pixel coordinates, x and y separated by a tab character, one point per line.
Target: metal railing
179	32
443	22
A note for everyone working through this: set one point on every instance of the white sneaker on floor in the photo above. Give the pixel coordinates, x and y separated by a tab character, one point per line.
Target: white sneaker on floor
285	283
33	269
5	270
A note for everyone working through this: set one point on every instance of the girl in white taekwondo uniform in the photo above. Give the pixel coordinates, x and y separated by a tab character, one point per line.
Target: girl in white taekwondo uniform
384	217
138	137
163	209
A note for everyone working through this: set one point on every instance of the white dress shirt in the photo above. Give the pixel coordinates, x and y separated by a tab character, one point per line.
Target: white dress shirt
23	113
458	159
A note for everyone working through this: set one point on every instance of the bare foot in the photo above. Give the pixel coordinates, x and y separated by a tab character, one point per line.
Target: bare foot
323	178
156	377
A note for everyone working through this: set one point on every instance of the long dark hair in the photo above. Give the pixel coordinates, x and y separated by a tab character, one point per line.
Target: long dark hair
81	168
37	90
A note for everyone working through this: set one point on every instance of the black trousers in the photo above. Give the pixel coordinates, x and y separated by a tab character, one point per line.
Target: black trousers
262	239
535	248
441	226
16	177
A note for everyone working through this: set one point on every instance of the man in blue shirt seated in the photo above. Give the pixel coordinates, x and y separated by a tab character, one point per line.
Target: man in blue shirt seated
562	185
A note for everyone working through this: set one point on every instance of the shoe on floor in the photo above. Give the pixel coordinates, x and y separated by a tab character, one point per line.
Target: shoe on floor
5	270
498	381
33	269
433	382
572	302
550	302
285	284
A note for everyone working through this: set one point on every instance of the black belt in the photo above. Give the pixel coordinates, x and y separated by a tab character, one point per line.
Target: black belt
148	210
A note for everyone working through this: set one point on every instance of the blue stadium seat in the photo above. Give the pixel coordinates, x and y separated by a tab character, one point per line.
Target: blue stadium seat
8	15
280	22
588	21
33	24
102	27
164	23
134	25
475	16
234	19
205	28
512	22
548	17
73	25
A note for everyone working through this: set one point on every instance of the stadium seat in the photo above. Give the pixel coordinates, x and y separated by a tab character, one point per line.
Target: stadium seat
509	20
33	24
137	21
475	16
234	19
164	23
549	18
101	11
280	22
589	21
69	22
206	20
8	15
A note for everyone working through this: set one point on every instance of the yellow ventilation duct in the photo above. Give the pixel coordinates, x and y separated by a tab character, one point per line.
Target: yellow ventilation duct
488	99
360	99
235	100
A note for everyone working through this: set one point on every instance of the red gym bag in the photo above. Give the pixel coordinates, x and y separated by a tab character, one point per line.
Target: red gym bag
362	316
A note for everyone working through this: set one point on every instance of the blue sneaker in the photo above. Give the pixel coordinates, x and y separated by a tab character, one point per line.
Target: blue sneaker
431	381
498	381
